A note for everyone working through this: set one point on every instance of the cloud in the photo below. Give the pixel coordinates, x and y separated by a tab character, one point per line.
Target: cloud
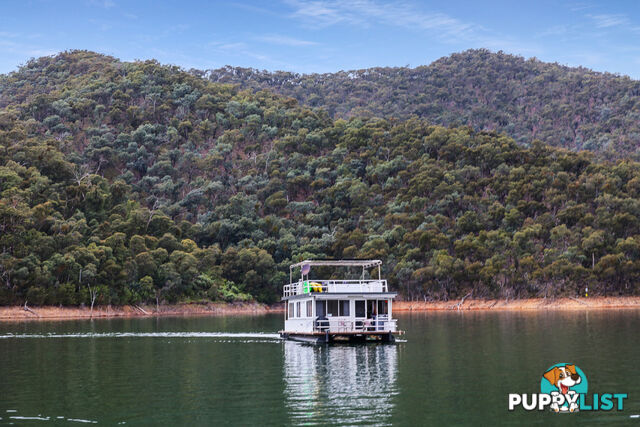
255	9
609	20
367	13
15	43
8	44
228	46
37	52
285	41
243	50
107	4
101	24
323	13
577	7
557	30
588	59
15	49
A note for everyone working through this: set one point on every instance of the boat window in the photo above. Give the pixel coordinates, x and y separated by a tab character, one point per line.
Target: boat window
383	306
309	308
360	309
332	307
291	314
344	307
298	313
321	308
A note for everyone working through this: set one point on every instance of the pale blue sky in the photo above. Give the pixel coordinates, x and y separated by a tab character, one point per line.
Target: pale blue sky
323	35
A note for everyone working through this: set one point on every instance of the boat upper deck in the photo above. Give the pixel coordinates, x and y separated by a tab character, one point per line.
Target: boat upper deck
335	286
306	286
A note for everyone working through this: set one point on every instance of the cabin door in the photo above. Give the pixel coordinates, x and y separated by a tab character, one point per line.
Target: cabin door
360	312
360	309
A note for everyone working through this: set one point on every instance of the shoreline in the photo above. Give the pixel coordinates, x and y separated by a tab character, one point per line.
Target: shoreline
19	313
527	304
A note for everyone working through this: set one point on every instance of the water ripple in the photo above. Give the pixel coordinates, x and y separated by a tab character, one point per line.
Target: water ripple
255	335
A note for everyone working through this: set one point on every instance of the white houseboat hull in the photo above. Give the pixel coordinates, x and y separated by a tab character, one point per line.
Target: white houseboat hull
341	337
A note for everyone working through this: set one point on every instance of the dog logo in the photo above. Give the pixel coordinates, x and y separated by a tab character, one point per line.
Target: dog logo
563	388
564	382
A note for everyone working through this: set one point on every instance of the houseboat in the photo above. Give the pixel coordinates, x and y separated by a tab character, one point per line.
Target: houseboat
338	310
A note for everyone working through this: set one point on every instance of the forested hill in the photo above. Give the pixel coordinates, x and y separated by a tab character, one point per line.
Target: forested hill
574	108
130	182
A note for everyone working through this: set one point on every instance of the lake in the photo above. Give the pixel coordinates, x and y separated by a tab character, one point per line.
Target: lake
450	368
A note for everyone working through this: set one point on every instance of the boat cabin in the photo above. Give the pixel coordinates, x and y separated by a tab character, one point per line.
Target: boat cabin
330	309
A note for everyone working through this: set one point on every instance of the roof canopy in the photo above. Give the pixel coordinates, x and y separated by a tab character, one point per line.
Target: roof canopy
364	263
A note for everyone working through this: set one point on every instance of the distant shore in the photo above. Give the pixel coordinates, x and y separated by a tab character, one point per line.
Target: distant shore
18	313
12	313
572	303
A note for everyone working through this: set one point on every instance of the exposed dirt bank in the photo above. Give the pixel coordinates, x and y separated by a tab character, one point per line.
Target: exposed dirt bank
212	309
521	304
52	312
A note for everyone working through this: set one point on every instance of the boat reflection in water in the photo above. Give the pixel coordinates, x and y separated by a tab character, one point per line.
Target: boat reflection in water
344	384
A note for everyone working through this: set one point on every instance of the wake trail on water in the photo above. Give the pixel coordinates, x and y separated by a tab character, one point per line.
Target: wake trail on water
255	336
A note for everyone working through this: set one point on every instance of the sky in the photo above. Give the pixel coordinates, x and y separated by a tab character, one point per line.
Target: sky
323	35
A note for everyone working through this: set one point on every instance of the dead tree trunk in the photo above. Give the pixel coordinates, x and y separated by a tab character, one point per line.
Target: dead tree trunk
29	310
458	305
93	294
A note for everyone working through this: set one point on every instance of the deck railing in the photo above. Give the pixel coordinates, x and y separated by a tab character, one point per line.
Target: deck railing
309	286
381	323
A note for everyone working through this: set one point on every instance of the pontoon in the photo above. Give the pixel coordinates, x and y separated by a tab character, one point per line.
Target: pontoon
330	310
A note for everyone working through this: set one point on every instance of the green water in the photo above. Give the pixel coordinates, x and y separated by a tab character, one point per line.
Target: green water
453	369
